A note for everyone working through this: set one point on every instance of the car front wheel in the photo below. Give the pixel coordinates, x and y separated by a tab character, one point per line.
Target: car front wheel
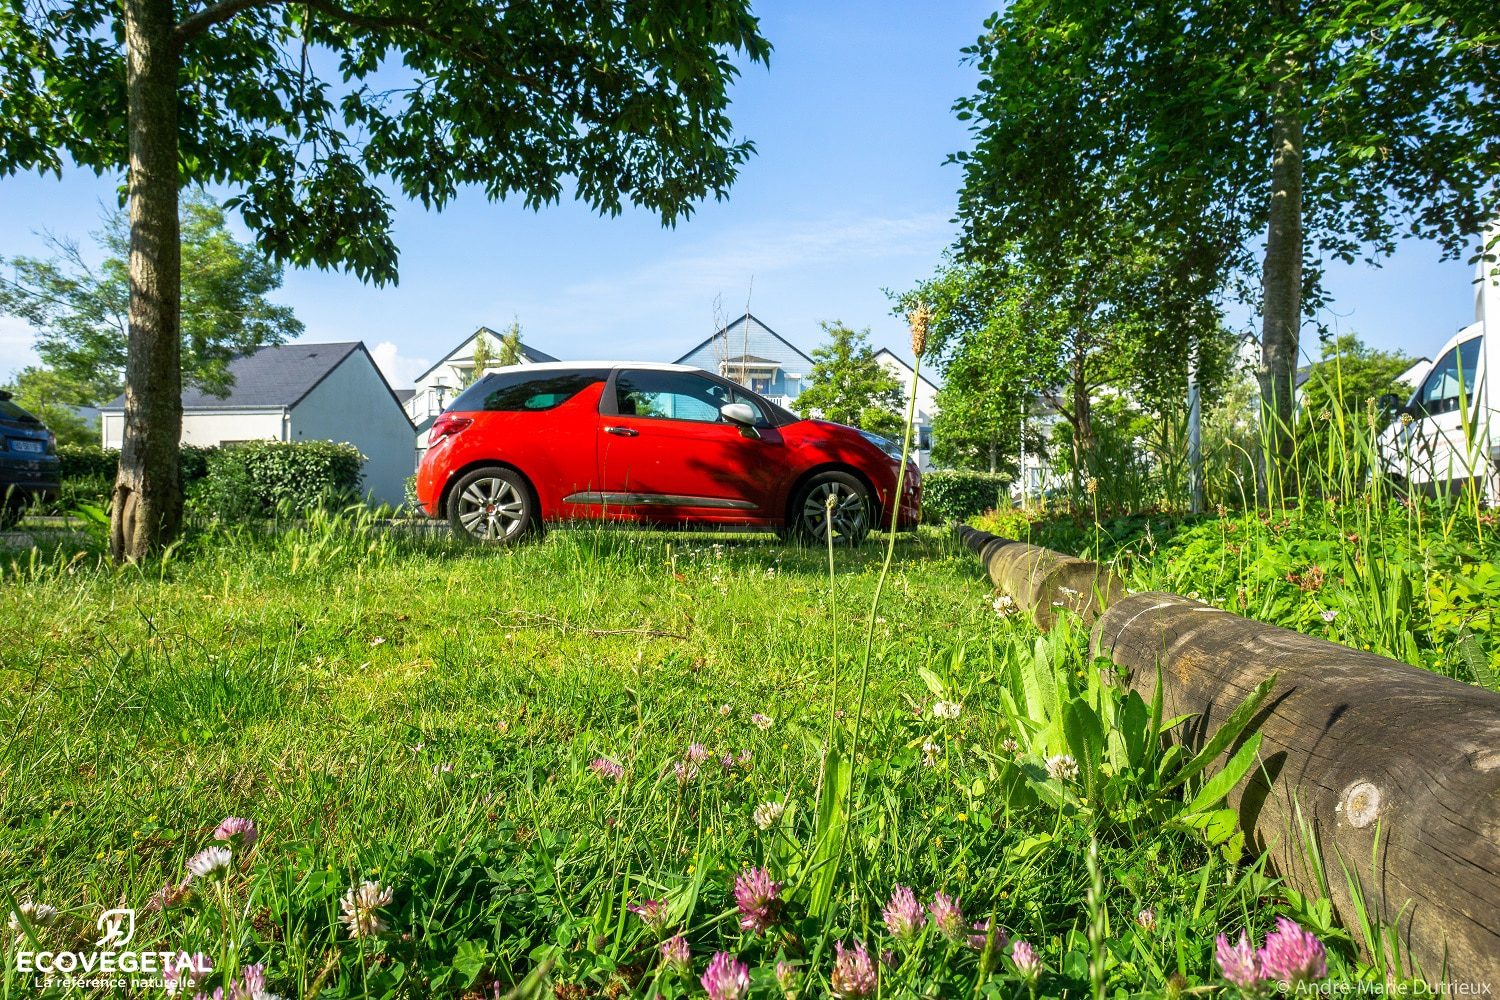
491	506
833	500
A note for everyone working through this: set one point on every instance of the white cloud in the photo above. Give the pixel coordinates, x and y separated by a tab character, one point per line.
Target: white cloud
399	369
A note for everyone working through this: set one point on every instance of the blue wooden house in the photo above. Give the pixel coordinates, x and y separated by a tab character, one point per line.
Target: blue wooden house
756	356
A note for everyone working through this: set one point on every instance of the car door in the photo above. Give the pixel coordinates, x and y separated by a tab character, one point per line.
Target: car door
1443	440
666	453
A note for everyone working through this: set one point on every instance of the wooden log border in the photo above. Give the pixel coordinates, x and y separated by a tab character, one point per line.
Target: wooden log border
1040	580
1390	771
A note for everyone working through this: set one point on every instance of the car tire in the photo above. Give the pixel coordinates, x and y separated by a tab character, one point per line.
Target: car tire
492	506
854	510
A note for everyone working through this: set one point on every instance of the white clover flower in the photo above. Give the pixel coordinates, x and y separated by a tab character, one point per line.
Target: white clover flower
209	861
361	909
1062	767
762	721
946	709
35	914
767	814
1329	616
930	754
1004	605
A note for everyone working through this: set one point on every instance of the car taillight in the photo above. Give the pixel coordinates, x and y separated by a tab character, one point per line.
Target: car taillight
447	424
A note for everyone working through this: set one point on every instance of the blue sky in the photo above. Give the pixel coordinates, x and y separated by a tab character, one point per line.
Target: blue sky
846	196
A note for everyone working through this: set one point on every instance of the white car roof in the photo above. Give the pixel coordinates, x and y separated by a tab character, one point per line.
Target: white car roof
569	365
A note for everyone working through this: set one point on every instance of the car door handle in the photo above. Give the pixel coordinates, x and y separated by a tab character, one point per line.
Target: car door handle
622	431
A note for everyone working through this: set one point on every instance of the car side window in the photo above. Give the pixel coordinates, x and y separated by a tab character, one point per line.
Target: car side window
667	395
1450	380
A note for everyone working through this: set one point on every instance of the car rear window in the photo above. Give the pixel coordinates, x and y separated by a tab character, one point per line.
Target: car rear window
523	390
10	411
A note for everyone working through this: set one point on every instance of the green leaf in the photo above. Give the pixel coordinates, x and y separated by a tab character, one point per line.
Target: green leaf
1221	784
1226	734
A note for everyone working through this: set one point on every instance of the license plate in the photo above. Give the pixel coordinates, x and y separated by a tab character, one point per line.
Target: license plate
22	444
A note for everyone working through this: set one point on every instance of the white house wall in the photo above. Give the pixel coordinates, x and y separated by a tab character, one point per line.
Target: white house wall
353	404
208	427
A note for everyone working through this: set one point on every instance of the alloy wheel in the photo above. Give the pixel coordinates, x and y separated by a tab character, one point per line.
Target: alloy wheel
849	511
491	509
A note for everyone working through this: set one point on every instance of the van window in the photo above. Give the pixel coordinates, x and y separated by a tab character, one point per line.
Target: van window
1459	367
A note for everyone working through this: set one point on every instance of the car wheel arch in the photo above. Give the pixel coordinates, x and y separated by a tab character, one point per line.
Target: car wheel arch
485	463
878	510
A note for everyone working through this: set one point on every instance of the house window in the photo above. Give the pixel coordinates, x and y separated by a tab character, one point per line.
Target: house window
760	385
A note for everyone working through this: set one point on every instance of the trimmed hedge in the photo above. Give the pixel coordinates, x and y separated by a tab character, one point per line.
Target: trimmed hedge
88	471
259	478
957	494
234	483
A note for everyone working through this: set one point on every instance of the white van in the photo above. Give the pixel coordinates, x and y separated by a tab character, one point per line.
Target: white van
1447	435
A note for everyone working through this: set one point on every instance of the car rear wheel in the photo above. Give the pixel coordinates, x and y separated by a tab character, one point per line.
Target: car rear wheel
492	506
850	517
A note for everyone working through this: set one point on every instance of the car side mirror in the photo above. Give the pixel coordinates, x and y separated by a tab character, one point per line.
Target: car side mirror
743	415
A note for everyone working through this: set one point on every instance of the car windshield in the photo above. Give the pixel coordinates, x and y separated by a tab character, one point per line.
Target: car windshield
885	444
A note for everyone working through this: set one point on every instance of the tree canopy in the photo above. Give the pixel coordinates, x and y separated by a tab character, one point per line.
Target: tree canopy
315	110
848	385
79	310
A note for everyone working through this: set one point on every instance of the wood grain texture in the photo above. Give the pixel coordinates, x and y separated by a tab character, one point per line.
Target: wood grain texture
1040	580
1362	744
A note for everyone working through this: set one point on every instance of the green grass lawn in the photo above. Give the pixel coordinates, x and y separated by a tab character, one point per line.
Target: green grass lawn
401	711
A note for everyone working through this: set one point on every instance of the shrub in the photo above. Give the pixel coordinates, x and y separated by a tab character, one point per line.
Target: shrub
957	494
259	477
86	461
87	472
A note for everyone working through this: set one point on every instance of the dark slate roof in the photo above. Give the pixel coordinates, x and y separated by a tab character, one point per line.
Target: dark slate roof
748	359
531	354
272	376
402	395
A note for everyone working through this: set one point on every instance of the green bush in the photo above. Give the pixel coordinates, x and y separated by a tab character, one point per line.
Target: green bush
258	478
86	461
87	472
957	494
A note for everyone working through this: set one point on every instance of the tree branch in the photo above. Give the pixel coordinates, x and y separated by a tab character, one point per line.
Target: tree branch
193	26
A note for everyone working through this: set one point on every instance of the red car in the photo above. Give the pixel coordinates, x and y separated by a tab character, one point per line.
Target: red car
662	444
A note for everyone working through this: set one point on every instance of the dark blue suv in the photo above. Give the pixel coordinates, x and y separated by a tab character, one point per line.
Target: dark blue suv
28	461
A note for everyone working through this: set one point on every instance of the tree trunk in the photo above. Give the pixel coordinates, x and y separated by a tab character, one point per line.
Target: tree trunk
147	495
1282	287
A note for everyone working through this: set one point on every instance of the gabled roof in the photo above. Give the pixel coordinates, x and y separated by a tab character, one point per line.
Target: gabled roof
531	354
906	364
748	359
275	376
747	318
